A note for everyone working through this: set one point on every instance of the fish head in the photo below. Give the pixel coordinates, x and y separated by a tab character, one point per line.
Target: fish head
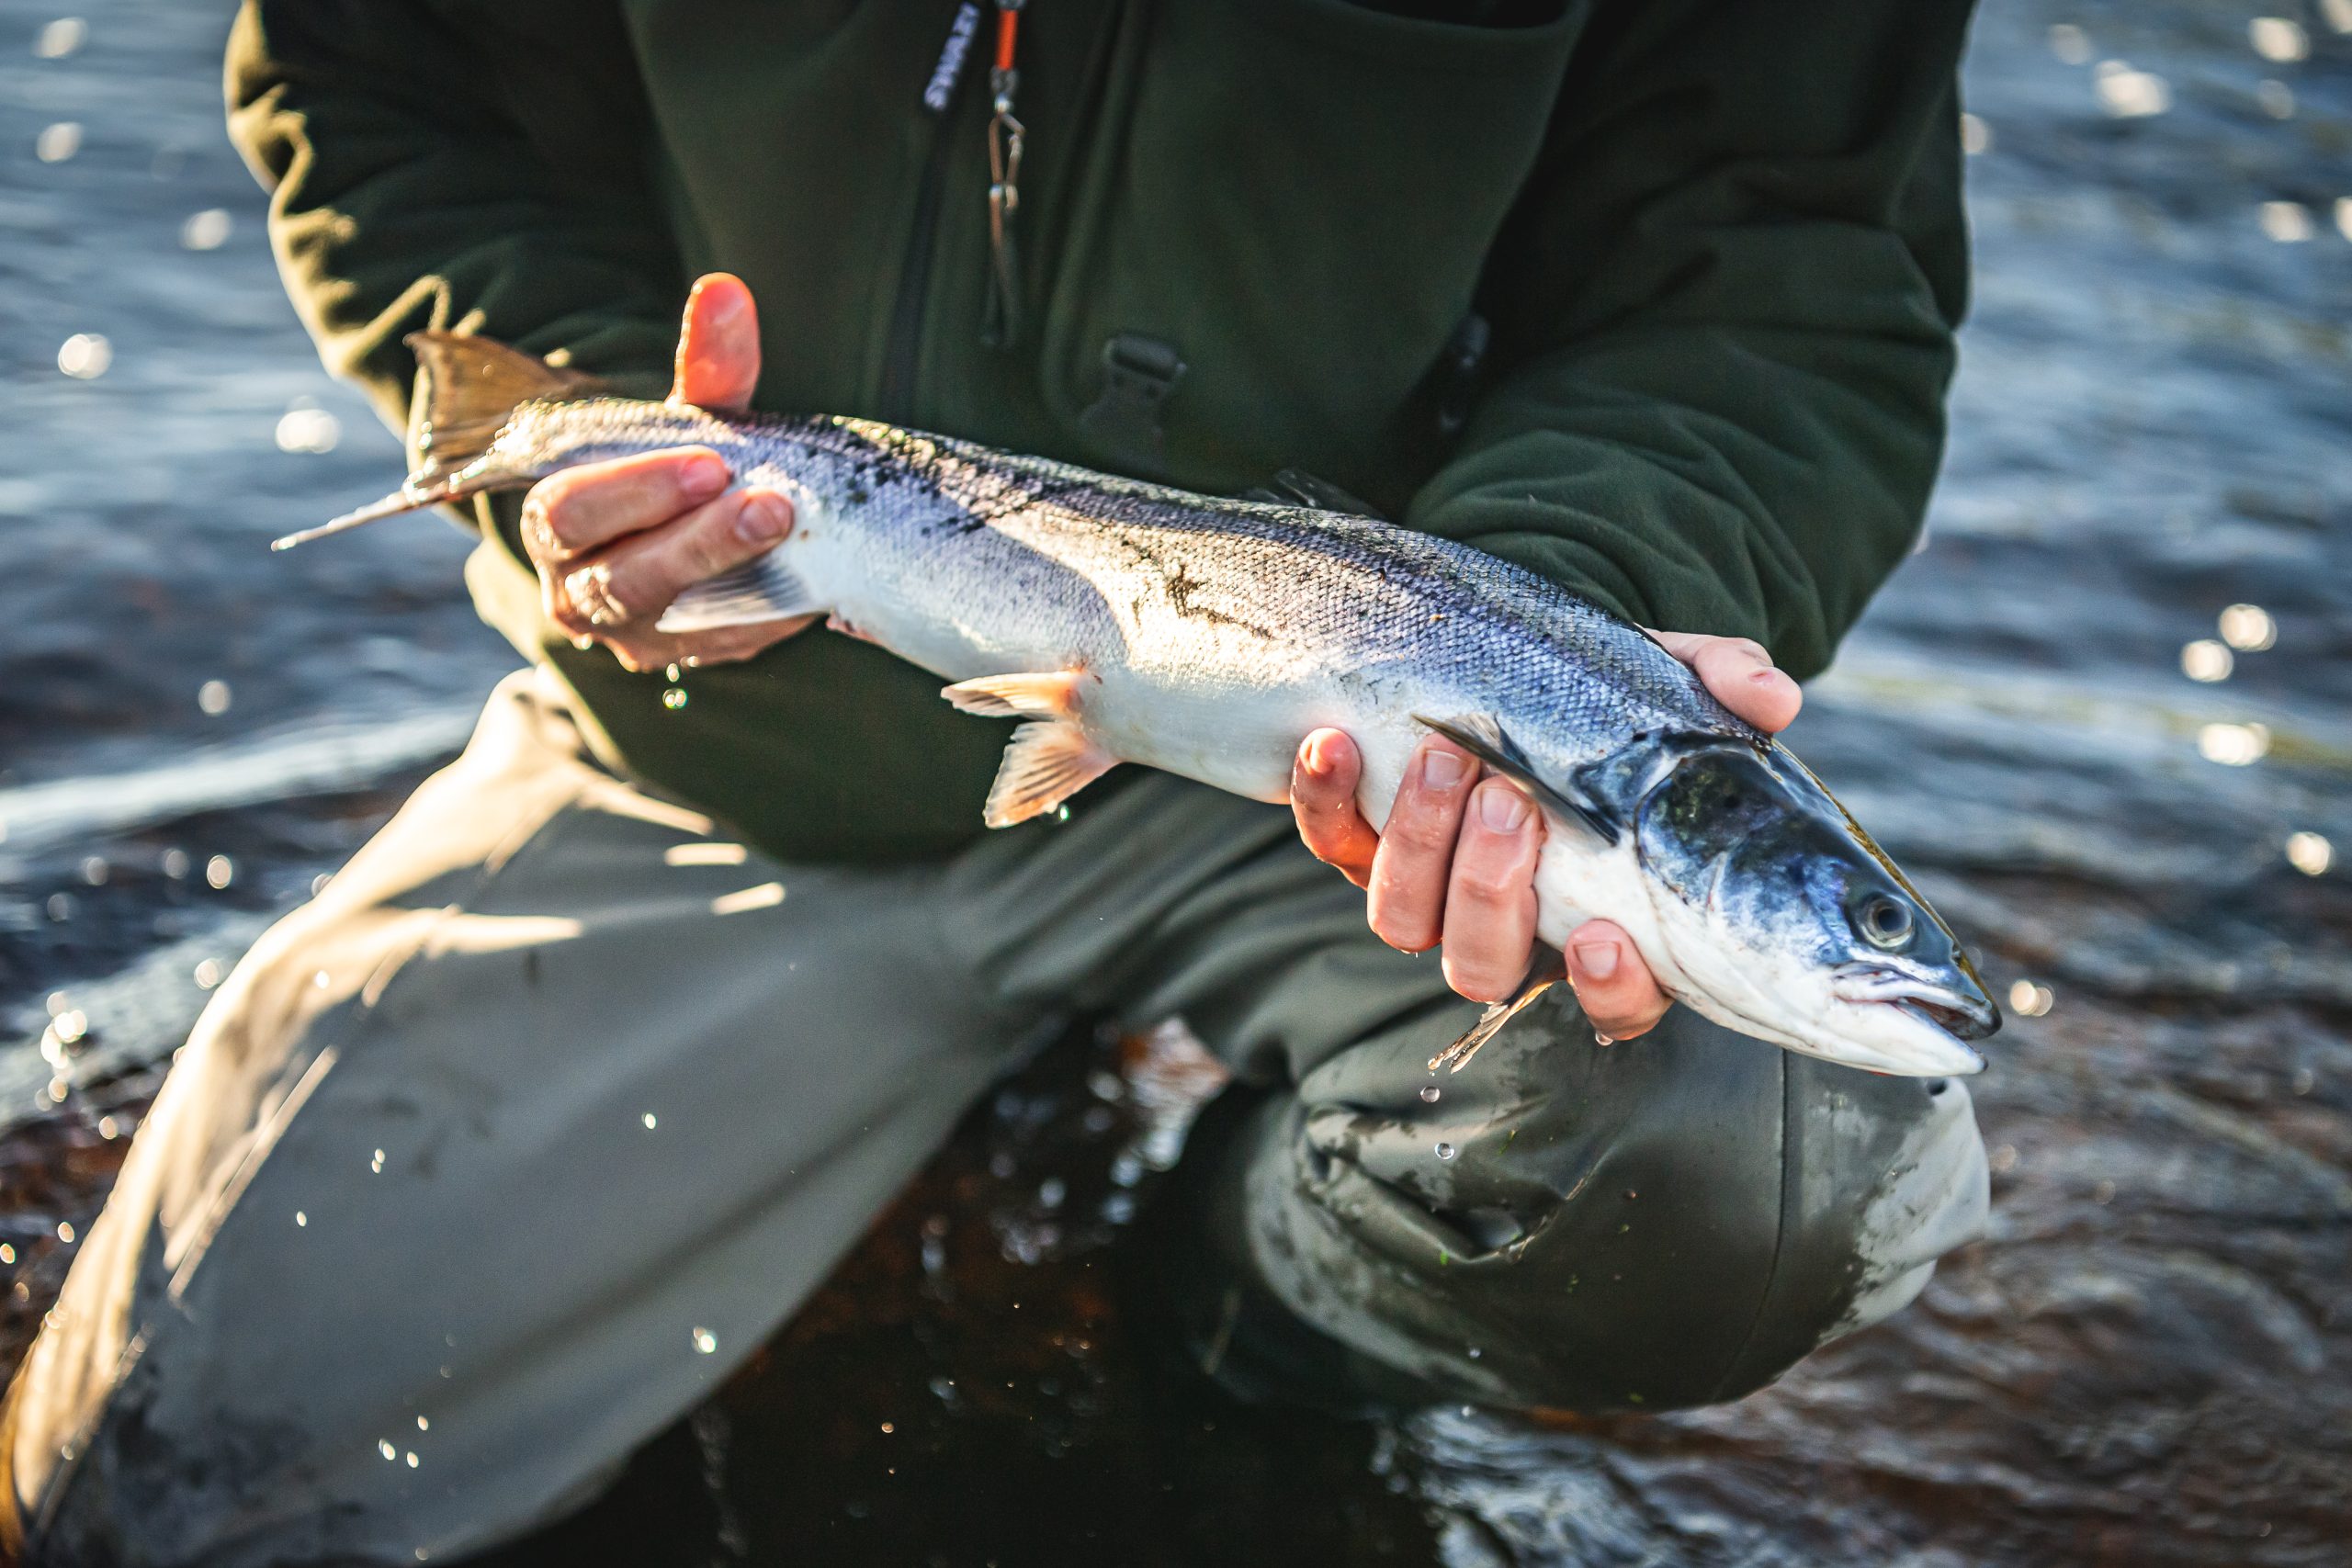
1781	912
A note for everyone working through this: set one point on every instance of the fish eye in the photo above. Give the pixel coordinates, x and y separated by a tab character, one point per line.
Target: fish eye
1884	921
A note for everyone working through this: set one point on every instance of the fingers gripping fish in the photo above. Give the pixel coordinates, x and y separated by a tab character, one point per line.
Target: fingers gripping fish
1124	622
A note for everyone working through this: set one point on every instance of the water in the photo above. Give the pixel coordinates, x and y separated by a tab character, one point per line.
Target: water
2145	1363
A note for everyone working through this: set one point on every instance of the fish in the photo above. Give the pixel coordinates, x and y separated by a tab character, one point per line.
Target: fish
1122	621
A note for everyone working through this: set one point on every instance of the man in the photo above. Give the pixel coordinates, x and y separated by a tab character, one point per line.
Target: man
499	1156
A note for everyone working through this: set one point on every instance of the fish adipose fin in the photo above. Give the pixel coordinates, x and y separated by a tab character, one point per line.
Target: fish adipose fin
1484	739
1047	763
1547	969
1053	694
758	591
467	389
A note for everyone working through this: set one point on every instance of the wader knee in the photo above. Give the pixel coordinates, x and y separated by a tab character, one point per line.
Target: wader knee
1668	1221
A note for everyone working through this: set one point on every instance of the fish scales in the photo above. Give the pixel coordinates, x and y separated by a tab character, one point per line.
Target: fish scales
1130	622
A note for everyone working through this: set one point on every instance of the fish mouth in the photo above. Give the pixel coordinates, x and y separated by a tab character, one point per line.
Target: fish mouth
1964	1013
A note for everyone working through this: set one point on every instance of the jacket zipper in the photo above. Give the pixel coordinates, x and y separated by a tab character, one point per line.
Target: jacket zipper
914	281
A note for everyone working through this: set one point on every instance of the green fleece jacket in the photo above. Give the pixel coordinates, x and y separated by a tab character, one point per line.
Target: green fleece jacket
1715	246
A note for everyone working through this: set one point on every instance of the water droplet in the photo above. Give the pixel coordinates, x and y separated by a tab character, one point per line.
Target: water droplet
888	1427
57	143
2127	94
7	1253
70	1026
411	1457
705	1342
648	1120
2030	1000
2248	628
422	1425
1976	138
208	230
66	1232
301	1219
2070	43
2279	40
1430	1093
213	697
2288	222
207	973
384	1447
2276	98
2310	853
219	871
671	674
60	38
108	1129
2207	660
176	864
1051	1192
322	980
2103	1193
308	430
62	907
1446	1151
675	698
2234	745
318	883
85	356
376	1162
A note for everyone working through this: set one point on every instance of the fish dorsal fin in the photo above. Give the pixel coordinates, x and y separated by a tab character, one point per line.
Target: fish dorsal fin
467	389
1047	763
1050	694
1546	969
1483	737
761	590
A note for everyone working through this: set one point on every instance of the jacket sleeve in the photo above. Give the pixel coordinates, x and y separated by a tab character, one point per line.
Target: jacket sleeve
1722	318
415	186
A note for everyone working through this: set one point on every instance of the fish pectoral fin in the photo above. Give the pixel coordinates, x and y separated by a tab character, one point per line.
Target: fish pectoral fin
762	590
1052	694
1548	968
1483	737
1047	763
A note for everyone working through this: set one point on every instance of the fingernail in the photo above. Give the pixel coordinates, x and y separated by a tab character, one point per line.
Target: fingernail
705	476
1314	757
1596	959
1501	808
765	518
1441	769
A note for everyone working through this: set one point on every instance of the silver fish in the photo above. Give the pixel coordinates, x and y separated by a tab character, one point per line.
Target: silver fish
1126	622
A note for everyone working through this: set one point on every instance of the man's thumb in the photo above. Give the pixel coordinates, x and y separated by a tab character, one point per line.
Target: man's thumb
719	346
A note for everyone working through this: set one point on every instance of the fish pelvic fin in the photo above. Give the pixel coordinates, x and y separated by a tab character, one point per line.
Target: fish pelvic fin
1053	694
761	590
1547	968
1483	737
1047	763
467	389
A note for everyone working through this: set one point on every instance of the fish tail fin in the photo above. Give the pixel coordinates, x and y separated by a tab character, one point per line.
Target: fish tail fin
1546	969
467	389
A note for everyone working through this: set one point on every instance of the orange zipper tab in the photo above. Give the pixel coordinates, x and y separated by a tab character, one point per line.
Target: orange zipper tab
1007	137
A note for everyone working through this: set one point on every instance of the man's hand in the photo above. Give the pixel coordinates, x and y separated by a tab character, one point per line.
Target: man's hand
1456	861
616	542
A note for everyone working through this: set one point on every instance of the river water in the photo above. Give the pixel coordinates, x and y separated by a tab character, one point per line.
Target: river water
2149	1361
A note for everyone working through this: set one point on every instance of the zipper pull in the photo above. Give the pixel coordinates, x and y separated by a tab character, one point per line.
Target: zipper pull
1000	328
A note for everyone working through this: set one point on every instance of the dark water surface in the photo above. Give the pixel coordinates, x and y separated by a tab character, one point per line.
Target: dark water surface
2148	1363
